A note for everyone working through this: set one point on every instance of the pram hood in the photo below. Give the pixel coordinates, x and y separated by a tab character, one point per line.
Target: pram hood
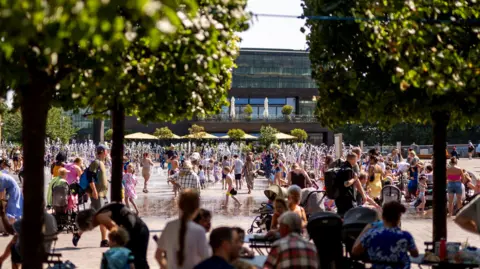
275	191
360	215
391	193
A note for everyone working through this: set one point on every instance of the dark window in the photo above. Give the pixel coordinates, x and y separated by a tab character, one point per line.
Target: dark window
277	101
241	101
257	101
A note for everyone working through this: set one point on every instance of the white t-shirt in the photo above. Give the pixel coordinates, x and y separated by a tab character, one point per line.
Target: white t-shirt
238	166
196	245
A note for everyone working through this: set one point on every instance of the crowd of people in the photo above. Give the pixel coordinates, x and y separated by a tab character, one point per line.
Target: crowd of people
361	176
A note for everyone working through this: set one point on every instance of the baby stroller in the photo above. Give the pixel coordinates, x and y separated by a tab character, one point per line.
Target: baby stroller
312	201
64	206
391	193
327	227
354	222
262	222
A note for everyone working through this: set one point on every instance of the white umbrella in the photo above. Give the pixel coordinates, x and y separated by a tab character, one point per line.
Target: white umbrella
232	107
265	110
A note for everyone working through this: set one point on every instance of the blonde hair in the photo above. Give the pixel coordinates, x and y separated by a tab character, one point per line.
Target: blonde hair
62	172
131	166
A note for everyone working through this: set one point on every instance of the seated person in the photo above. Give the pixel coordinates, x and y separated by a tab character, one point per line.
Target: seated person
226	245
244	252
387	243
13	248
280	207
294	193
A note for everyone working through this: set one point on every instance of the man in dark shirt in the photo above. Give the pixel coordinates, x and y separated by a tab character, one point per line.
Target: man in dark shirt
347	178
226	245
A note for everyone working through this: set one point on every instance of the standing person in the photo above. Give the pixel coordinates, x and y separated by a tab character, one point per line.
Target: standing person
59	163
204	219
175	249
201	176
471	149
113	216
375	177
347	179
229	182
454	152
249	172
16	160
455	178
298	176
225	163
226	246
76	171
147	165
186	178
10	189
129	182
422	186
237	168
97	191
413	182
169	154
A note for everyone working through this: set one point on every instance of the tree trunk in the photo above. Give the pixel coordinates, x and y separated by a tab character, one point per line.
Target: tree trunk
440	122
118	127
35	103
98	131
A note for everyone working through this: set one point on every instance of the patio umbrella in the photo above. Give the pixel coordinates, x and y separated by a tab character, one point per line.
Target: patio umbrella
173	137
232	107
282	136
141	136
265	110
203	135
246	136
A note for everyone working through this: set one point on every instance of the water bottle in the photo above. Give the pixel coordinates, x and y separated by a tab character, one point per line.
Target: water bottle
442	253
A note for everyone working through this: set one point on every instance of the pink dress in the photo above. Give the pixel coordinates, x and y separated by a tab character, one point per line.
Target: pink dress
129	183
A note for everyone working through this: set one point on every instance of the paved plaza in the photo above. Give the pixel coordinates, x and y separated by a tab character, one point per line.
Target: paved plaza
159	206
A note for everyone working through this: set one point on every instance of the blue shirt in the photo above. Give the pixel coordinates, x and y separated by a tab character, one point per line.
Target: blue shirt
214	262
388	245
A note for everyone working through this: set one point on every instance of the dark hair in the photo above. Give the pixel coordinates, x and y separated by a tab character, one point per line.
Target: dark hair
84	219
235	156
119	236
188	203
225	157
61	157
77	160
240	231
200	167
202	214
429	168
392	211
220	235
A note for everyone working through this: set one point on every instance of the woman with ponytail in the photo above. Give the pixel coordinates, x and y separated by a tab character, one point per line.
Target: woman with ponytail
183	243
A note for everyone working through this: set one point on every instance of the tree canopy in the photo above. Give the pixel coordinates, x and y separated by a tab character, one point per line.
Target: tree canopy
108	134
163	133
236	134
300	134
267	136
401	61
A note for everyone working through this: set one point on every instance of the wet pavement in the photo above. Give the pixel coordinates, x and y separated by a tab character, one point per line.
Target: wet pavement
159	206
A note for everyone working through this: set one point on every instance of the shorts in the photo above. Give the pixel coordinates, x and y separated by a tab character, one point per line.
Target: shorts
412	187
169	166
96	204
224	176
454	187
238	176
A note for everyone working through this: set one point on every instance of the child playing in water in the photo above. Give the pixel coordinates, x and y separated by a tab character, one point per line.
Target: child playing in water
216	172
422	186
129	182
201	176
229	184
118	256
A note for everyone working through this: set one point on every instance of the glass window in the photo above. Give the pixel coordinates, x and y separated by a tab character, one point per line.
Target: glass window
225	109
277	101
257	101
241	101
292	102
272	111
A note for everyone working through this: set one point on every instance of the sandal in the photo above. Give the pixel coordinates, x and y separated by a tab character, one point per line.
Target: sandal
145	190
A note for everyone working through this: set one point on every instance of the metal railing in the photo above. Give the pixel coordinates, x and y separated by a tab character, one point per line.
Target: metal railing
259	118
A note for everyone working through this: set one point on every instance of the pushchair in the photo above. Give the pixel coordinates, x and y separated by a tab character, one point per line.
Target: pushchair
312	201
263	221
64	206
354	222
327	227
391	193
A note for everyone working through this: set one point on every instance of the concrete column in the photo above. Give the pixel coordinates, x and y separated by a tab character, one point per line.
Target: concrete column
338	146
361	145
399	146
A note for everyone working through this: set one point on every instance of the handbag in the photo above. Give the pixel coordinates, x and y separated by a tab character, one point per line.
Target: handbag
233	192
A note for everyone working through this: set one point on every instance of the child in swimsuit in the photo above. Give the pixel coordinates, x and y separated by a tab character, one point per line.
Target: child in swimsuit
231	192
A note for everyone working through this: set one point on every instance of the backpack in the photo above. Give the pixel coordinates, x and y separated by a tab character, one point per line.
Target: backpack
333	182
331	188
83	182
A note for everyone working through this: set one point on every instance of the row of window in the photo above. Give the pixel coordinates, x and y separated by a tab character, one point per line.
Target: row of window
261	101
275	70
271	83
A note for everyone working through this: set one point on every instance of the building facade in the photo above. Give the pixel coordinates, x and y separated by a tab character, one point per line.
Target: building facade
281	76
